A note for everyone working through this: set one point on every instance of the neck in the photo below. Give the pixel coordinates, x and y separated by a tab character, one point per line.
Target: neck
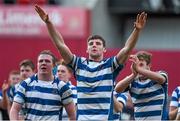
143	78
98	59
45	77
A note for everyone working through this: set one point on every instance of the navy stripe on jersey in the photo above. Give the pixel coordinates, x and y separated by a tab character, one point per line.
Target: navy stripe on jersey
146	114
95	89
43	113
93	112
43	89
152	102
149	84
93	100
42	101
94	79
147	95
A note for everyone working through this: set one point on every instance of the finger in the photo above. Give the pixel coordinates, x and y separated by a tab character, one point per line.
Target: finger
145	17
37	10
137	18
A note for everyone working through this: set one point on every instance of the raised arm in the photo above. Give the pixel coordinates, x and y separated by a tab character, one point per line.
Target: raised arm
132	40
55	36
4	101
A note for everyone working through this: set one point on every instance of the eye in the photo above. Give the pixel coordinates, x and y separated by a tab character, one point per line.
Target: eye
47	61
90	43
98	43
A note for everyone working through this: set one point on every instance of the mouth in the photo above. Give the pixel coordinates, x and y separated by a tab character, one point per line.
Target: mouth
43	68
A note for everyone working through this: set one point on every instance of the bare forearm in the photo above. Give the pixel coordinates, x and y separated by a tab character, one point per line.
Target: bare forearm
59	42
70	109
13	115
118	106
123	84
172	114
152	75
132	40
129	45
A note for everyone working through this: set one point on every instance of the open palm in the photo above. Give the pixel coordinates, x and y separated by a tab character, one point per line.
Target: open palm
44	16
140	20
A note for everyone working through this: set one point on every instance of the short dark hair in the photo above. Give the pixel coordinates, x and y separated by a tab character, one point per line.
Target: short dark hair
145	56
27	62
48	52
92	37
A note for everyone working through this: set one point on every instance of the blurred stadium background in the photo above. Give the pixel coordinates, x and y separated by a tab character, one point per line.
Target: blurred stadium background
23	35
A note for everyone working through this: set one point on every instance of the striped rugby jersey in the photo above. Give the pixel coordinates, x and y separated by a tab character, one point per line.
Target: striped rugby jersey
94	87
149	99
121	97
175	98
74	95
43	100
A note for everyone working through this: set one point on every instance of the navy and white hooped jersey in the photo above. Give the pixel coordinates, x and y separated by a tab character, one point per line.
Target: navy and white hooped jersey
121	97
74	95
43	100
95	83
175	98
149	99
12	91
1	96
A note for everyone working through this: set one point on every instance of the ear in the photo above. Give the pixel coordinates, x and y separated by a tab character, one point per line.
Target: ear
104	50
149	66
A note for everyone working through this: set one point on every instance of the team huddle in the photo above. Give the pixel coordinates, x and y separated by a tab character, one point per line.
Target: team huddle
49	95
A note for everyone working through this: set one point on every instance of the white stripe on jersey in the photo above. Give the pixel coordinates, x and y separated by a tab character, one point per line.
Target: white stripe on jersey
93	117
147	108
93	106
94	94
142	90
175	101
147	99
94	74
95	84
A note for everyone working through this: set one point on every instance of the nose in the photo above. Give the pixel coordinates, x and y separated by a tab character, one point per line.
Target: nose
94	44
43	62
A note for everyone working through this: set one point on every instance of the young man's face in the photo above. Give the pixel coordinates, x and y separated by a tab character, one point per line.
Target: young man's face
63	73
14	79
95	48
26	72
45	64
143	64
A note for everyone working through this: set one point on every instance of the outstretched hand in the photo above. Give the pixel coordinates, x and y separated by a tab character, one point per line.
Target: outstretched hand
140	20
5	86
44	16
